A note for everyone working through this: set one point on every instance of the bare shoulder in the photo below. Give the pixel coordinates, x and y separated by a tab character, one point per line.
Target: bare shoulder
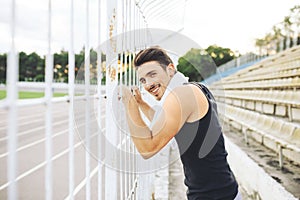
188	95
188	90
193	99
181	93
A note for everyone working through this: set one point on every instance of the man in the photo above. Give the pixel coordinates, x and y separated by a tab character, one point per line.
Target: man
188	113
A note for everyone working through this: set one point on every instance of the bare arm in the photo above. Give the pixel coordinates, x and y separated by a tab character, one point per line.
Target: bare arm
145	108
175	111
139	131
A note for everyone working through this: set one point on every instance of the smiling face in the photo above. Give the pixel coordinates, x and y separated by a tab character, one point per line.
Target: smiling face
154	78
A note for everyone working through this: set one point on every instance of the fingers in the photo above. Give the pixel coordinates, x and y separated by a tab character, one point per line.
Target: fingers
123	92
132	92
137	94
135	91
126	93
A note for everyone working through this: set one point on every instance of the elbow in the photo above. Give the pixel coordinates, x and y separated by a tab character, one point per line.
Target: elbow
147	150
146	156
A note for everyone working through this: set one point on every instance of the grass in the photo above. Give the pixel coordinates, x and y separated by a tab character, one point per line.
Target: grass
30	95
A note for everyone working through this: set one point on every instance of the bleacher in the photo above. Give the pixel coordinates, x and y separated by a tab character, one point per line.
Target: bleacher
263	102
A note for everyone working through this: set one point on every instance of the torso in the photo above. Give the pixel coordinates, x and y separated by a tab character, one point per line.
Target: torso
203	154
198	104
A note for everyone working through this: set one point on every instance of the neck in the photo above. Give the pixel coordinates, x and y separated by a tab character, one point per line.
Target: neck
178	79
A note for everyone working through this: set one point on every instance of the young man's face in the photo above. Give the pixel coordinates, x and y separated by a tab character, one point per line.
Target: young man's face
154	78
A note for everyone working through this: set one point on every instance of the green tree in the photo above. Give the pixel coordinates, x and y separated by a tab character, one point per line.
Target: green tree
196	64
287	29
79	65
61	58
22	67
268	43
260	43
277	35
30	66
283	35
295	18
220	55
3	66
60	66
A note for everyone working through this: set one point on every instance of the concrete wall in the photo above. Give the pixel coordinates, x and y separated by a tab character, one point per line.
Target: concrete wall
253	178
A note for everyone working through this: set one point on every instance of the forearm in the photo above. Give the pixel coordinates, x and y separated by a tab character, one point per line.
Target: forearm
139	131
144	107
147	110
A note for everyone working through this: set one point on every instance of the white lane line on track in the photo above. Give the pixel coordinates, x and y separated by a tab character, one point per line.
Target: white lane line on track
82	183
34	129
38	128
32	116
3	122
40	115
41	140
41	119
5	185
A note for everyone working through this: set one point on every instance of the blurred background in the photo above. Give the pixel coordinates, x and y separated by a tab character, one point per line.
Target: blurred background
62	135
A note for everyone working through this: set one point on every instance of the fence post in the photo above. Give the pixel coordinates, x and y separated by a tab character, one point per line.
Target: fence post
111	192
48	115
12	96
71	79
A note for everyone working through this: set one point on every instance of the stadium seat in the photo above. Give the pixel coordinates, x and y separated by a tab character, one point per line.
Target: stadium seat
295	137
287	130
263	100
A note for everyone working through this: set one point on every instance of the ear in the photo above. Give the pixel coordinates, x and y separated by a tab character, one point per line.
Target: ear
171	70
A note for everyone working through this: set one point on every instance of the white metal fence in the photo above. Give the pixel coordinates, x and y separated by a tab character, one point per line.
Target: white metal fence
110	162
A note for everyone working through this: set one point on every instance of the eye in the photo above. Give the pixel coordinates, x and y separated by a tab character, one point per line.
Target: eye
152	75
142	81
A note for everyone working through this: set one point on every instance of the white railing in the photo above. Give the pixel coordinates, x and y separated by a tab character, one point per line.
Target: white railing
12	95
116	169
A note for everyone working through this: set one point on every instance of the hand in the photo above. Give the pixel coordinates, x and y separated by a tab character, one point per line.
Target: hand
137	94
126	95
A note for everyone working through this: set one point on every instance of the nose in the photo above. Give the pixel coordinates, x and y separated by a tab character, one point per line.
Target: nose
148	85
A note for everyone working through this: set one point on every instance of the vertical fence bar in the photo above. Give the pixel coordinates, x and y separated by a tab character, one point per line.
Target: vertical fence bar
111	178
129	84
12	96
129	42
126	41
126	83
138	177
87	105
121	139
121	136
132	39
136	83
71	79
48	117
101	178
133	83
135	36
118	135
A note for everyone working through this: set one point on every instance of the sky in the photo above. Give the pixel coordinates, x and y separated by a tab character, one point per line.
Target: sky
233	24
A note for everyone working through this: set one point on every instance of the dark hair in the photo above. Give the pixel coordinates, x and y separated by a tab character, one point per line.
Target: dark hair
152	54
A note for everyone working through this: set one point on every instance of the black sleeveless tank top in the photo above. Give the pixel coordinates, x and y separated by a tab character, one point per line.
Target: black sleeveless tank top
203	155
